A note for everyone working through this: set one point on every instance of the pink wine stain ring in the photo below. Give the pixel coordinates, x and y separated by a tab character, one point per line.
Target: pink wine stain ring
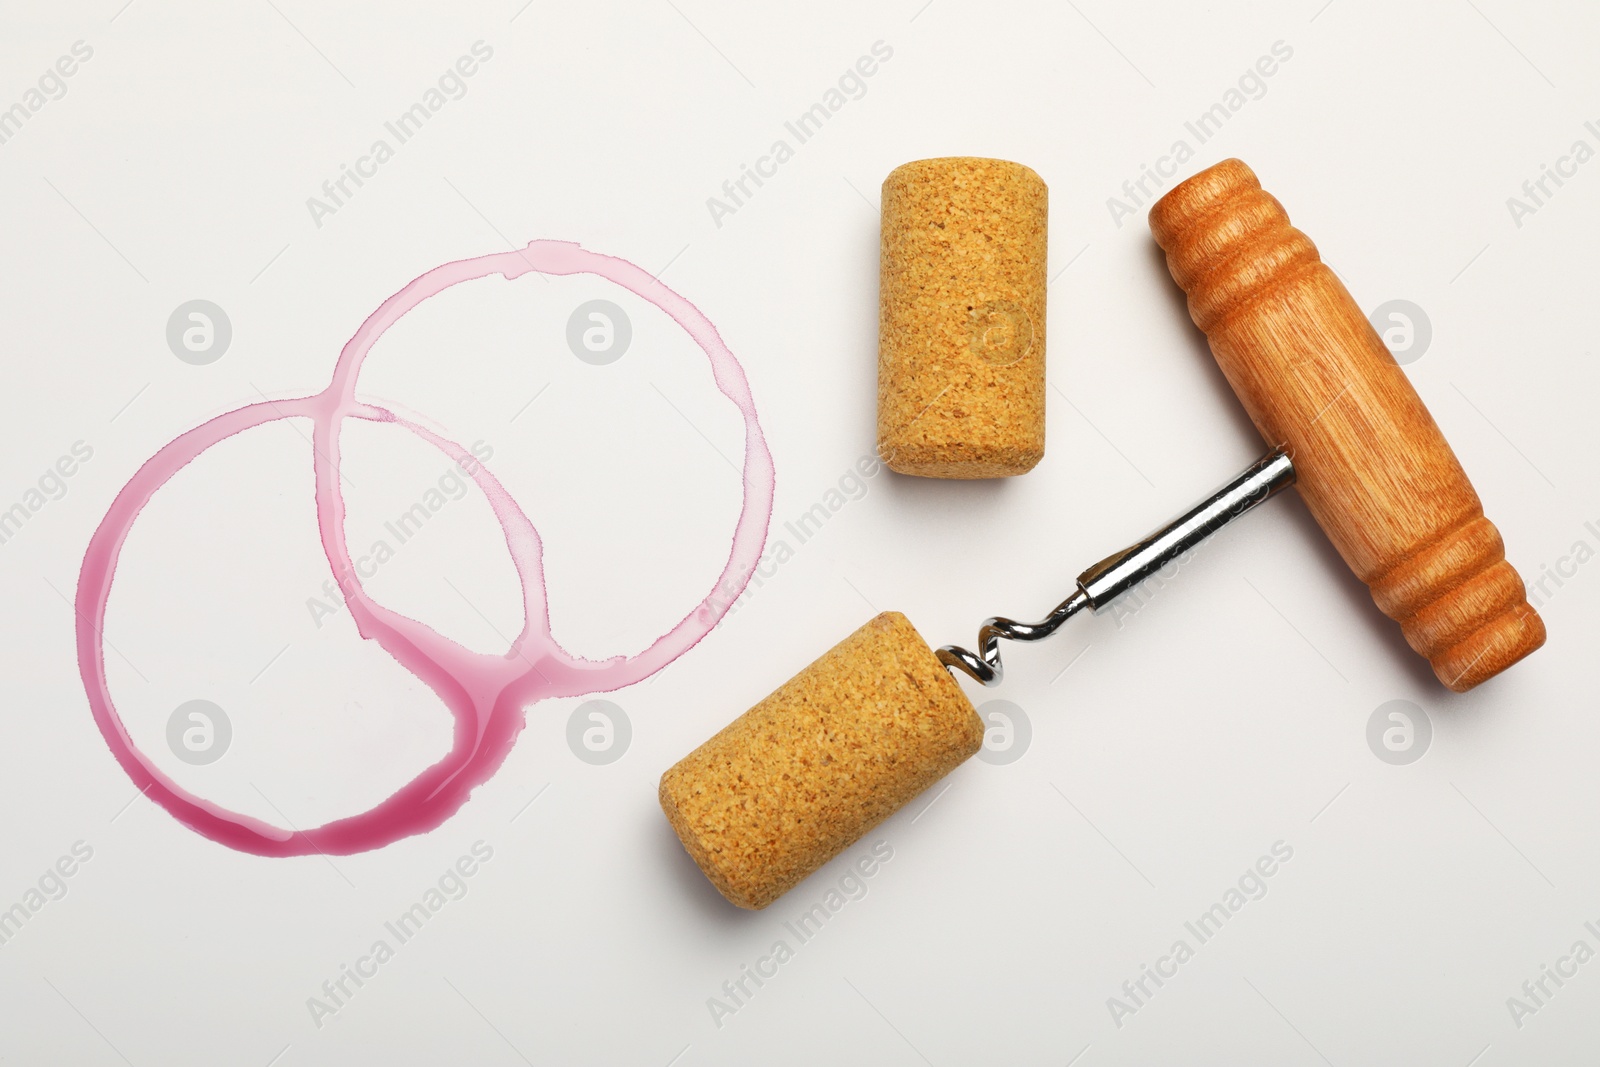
487	694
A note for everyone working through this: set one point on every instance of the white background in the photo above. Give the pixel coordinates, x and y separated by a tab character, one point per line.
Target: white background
1169	751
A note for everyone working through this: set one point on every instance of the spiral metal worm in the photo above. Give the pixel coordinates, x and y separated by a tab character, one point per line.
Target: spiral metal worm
987	668
1116	574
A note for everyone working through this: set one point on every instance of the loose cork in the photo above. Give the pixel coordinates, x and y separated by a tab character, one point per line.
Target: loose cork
833	752
961	319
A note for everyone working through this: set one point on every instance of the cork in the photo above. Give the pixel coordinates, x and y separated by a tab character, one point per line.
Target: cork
833	752
961	305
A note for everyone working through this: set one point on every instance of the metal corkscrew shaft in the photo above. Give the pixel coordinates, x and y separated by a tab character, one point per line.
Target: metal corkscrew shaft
1107	580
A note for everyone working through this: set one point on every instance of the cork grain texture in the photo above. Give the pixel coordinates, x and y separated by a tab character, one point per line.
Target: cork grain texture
833	752
961	339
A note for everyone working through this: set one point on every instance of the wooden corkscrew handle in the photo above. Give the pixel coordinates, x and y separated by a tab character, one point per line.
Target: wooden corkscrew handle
1371	463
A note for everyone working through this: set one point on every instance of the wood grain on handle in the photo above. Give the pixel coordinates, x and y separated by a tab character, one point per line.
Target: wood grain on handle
1372	465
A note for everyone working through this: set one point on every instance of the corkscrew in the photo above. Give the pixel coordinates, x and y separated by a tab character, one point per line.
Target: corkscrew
1103	583
880	717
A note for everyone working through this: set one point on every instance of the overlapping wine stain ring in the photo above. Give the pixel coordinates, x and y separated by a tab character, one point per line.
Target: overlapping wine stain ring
487	694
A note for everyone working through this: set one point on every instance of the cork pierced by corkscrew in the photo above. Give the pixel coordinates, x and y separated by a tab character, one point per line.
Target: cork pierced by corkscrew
961	380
